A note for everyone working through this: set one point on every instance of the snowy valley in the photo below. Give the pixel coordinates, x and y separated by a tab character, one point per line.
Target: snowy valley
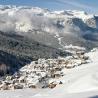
52	28
48	54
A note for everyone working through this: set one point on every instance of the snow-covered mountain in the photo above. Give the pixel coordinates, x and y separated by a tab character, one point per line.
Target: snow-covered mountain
53	28
32	50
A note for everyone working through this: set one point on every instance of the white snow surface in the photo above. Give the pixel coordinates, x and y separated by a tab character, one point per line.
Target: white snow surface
80	82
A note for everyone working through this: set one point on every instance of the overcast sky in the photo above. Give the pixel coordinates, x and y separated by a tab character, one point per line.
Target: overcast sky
90	6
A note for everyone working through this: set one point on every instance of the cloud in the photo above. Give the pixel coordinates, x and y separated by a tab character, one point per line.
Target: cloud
22	20
69	2
74	4
6	23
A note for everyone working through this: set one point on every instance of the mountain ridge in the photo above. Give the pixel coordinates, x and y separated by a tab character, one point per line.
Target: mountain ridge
30	33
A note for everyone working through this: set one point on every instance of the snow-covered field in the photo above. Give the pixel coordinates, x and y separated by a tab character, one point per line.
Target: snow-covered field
79	82
37	94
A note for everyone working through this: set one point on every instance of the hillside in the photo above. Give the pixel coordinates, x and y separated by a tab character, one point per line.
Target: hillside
16	51
53	28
